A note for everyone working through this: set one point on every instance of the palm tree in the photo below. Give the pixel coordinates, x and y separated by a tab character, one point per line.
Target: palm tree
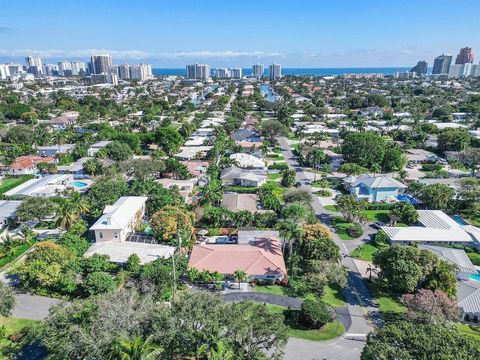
137	349
371	269
27	234
315	157
290	231
240	275
8	244
66	214
193	274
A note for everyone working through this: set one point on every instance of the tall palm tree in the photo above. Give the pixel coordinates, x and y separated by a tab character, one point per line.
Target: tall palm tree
290	232
66	214
315	157
137	349
239	275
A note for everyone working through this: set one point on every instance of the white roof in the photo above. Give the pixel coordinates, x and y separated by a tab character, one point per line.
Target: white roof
457	257
120	251
374	182
468	296
437	227
8	208
188	152
45	186
247	160
118	215
196	141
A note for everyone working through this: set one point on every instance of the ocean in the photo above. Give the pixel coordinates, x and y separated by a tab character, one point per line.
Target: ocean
301	71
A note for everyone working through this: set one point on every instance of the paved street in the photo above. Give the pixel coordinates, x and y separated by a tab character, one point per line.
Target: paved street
359	299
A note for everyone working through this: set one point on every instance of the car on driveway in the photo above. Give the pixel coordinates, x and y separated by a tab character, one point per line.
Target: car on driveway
378	224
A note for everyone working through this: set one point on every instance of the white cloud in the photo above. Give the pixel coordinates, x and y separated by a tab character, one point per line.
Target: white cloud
225	54
123	54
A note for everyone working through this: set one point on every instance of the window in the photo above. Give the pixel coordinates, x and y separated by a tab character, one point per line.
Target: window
100	235
115	235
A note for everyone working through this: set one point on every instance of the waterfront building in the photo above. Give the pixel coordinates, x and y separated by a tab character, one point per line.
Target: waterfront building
198	71
275	71
465	56
258	70
4	72
460	70
78	68
124	71
421	68
441	64
34	65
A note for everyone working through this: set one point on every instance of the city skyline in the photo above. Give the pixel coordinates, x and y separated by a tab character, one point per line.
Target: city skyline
358	38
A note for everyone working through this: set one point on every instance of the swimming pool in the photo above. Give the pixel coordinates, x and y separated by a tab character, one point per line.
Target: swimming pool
475	277
458	219
407	198
79	184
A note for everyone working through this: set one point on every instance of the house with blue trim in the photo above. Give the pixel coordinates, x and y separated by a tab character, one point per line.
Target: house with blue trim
374	188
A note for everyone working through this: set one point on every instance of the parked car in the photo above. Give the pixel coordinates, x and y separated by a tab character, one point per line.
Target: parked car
298	184
378	224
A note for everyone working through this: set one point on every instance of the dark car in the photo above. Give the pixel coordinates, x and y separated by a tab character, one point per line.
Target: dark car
298	184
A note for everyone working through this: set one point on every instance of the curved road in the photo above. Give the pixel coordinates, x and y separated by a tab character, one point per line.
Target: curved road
357	296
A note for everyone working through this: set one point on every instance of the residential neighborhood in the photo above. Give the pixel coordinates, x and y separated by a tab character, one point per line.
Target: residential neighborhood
244	212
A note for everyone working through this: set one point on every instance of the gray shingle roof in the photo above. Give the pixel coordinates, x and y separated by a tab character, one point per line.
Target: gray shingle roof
457	257
468	296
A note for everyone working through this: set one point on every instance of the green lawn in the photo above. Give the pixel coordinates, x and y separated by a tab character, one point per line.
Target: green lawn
341	225
13	326
11	182
274	177
15	253
330	331
387	303
365	252
270	289
377	215
471	330
333	296
274	157
330	207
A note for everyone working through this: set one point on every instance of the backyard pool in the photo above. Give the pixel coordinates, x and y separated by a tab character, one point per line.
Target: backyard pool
407	198
458	219
79	184
475	277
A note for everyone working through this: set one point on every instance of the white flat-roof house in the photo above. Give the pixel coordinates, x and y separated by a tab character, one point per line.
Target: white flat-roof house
113	229
437	228
120	219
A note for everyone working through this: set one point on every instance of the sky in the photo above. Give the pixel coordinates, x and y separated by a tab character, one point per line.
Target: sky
301	33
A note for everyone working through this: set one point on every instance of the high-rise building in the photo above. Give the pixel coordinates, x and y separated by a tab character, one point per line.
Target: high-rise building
34	65
441	64
78	68
465	56
421	68
65	68
258	70
475	70
51	69
236	73
140	72
198	71
460	70
275	71
101	63
124	71
4	72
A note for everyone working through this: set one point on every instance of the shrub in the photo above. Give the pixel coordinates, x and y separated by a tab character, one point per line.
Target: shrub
475	258
133	263
278	166
98	283
380	239
431	167
324	193
315	314
380	206
355	231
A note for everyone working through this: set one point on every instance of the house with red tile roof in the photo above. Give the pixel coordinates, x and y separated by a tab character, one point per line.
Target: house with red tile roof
27	165
261	259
